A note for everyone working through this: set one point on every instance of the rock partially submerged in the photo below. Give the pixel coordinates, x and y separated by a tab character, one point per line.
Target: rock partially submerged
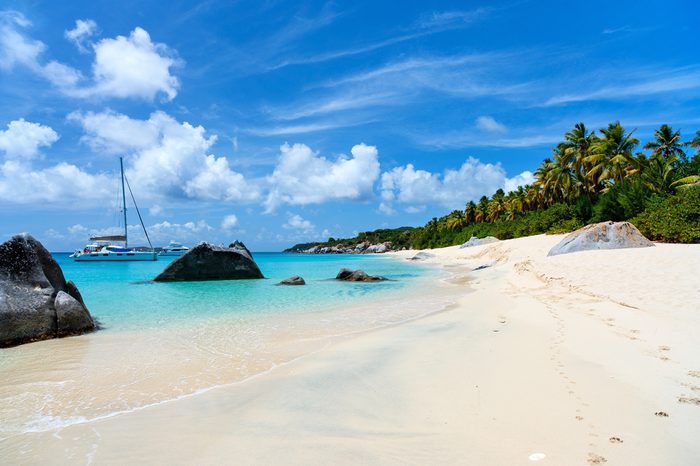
36	301
474	241
348	275
208	262
295	280
605	235
421	256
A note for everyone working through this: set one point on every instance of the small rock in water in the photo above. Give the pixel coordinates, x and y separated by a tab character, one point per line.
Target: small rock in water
295	280
357	276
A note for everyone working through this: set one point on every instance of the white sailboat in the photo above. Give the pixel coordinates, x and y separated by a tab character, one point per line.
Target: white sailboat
102	247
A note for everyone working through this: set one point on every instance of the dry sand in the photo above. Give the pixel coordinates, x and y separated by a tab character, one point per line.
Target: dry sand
585	358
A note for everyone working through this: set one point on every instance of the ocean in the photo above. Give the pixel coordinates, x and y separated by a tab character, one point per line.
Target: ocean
163	341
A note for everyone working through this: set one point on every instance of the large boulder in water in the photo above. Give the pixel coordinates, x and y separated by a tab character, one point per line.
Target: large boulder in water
605	235
36	302
208	262
348	275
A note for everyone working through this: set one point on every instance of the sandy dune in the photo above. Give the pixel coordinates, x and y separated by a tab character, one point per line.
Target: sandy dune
585	358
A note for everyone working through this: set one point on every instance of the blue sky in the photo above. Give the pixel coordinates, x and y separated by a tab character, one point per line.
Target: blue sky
280	122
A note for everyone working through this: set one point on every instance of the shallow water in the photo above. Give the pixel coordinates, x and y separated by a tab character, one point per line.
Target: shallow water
162	341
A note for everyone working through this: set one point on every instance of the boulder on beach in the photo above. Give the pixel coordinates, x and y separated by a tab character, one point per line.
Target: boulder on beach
36	301
474	241
348	275
604	235
295	280
208	262
376	249
421	256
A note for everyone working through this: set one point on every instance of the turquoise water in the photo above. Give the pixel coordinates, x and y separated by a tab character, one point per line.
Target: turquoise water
121	297
162	341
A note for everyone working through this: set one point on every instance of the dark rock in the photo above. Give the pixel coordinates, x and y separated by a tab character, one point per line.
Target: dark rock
208	262
71	316
604	235
357	276
295	280
30	282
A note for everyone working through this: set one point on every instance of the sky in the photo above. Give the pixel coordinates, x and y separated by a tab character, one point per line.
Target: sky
280	122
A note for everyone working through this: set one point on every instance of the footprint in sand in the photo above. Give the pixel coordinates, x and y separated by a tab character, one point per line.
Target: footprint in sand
664	348
596	459
615	440
661	414
689	400
694	373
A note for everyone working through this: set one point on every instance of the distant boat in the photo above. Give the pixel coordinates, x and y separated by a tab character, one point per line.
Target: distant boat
174	249
102	249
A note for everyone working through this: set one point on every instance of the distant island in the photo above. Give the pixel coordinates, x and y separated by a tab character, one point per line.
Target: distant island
589	178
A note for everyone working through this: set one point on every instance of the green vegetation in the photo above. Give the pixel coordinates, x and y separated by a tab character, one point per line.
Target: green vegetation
589	178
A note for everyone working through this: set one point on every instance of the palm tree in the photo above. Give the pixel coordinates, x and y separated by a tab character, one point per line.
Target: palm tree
611	156
696	143
495	209
470	212
456	220
667	143
580	141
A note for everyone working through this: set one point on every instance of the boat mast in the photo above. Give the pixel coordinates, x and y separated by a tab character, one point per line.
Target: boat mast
126	238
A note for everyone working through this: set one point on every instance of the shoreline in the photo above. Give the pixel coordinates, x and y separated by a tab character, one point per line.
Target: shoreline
109	355
569	357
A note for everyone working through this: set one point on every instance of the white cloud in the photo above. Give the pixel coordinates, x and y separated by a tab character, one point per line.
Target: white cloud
22	139
296	222
166	158
77	229
488	123
386	209
16	49
155	210
303	177
417	188
133	67
525	178
125	67
229	222
63	184
83	30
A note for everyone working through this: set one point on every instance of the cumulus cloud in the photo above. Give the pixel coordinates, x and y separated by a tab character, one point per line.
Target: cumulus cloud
417	188
296	222
62	183
525	178
166	158
159	233
302	176
488	123
22	139
124	67
229	222
133	66
83	30
22	183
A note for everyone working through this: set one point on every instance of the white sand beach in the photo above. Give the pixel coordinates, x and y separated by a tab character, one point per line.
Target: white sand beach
584	358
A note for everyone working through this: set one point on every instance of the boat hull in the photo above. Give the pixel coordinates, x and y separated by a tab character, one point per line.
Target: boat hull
172	253
116	256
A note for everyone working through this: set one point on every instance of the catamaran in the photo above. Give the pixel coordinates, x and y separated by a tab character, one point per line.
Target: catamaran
102	249
174	249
